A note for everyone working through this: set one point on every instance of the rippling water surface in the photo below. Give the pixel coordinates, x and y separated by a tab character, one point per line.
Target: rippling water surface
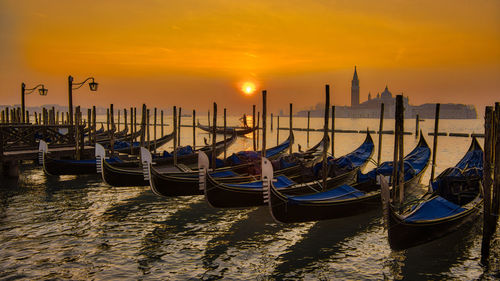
79	228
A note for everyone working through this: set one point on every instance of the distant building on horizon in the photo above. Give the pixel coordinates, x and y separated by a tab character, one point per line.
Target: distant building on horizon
355	89
371	107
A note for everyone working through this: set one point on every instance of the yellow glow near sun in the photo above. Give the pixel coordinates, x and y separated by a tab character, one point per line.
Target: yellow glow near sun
248	88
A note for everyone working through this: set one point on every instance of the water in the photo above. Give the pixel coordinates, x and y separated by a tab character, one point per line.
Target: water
78	228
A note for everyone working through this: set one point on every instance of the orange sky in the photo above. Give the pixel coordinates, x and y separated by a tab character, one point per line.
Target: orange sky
193	52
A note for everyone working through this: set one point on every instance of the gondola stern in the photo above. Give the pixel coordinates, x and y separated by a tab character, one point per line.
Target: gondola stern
203	165
43	149
422	142
147	161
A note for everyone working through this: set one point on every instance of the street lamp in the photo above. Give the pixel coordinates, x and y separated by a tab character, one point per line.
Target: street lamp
74	86
42	91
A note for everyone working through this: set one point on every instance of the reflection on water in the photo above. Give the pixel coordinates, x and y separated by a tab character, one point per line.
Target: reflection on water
78	228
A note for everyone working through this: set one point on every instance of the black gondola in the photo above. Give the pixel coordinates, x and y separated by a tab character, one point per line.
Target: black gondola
124	146
230	195
127	174
344	200
453	201
186	183
240	131
52	166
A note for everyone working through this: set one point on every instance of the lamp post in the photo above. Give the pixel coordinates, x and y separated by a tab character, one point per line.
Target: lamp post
42	91
74	86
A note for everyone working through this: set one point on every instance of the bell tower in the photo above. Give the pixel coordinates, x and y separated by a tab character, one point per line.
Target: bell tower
355	89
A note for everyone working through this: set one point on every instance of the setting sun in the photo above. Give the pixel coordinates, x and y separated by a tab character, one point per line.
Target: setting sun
248	88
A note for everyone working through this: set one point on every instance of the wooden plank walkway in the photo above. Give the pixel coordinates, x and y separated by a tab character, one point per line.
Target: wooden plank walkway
33	153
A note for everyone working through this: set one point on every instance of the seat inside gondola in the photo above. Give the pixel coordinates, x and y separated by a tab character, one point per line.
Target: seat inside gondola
457	186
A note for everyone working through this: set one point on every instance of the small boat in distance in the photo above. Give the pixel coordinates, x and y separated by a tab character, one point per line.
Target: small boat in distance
240	131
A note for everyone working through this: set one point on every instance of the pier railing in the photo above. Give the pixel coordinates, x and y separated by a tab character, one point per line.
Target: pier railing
18	137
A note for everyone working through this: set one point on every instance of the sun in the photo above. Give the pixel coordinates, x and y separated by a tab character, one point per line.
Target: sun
248	88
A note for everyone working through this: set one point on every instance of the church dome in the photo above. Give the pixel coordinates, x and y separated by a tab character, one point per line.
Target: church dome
386	94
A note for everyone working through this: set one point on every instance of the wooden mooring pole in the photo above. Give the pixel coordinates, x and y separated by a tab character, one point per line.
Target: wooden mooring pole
209	135
113	128
143	124
258	130
214	139
264	125
333	132
107	119
94	123
135	123
253	127
194	129
435	142
132	130
179	128
489	150
77	133
291	128
154	131
395	161
380	129
225	126
401	179
89	121
308	123
161	121
271	122
325	134
174	122
417	126
148	129
495	204
278	130
125	121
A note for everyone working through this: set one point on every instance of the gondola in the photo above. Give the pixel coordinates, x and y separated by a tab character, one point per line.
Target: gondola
229	195
53	166
182	183
97	132
454	200
123	146
240	131
123	134
131	174
344	200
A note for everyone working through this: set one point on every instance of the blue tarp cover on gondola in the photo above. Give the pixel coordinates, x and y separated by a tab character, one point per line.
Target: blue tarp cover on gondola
124	144
280	182
471	165
356	158
349	161
435	209
223	174
340	193
414	163
181	151
278	149
251	156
